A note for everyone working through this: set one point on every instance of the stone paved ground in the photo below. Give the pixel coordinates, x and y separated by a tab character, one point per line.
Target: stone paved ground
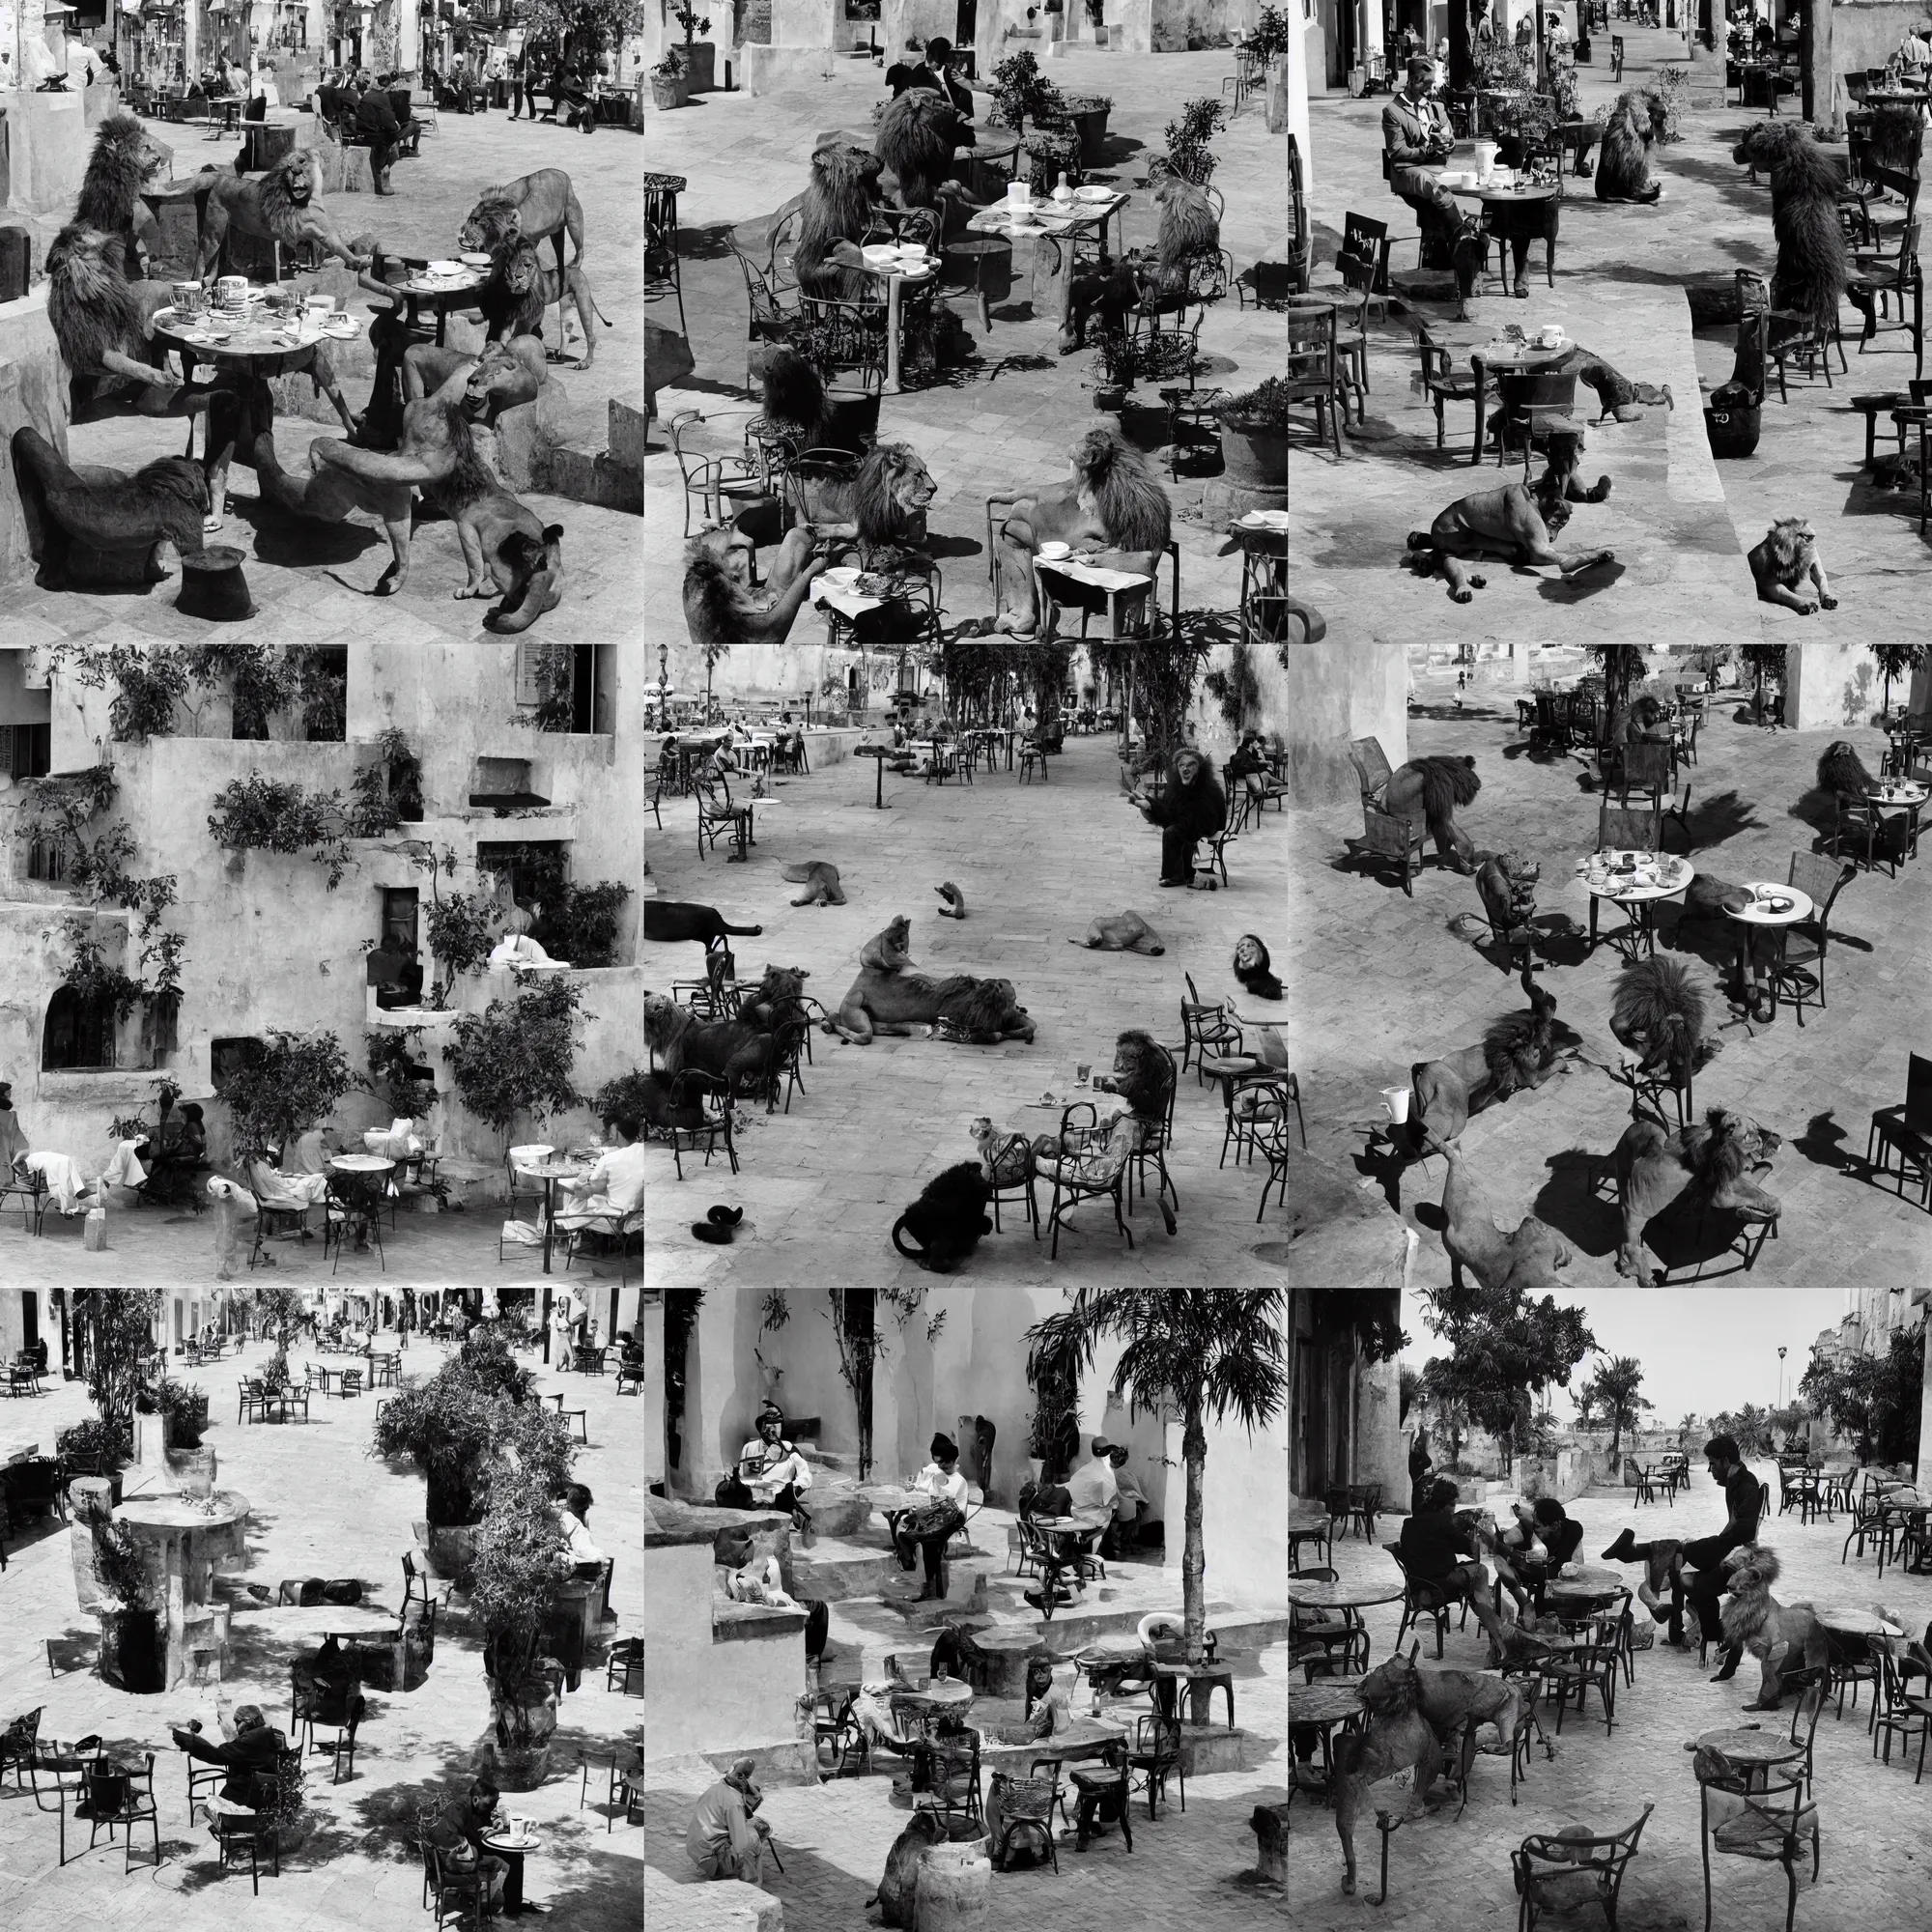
321	1506
1378	982
834	1839
1010	418
822	1185
1874	1874
312	594
1678	522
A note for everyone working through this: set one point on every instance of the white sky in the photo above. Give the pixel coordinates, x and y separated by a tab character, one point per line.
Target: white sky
1702	1349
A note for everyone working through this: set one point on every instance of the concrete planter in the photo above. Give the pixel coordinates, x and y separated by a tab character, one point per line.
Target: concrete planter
668	91
1255	458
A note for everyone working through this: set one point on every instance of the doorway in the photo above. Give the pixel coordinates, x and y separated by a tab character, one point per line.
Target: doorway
30	1319
965	23
680	1320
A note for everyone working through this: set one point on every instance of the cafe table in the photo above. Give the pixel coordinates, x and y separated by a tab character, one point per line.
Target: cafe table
512	1847
1637	881
1309	1526
1056	229
1517	215
896	271
1903	798
1751	1748
1771	909
1320	1707
1306	1592
1078	582
549	1173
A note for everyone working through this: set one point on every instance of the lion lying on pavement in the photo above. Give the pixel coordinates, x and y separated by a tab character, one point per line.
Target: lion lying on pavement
893	998
1510	526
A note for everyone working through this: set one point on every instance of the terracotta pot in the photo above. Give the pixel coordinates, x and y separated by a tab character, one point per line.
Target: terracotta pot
1254	458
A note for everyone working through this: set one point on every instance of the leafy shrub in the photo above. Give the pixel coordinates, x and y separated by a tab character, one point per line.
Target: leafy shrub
290	1086
581	927
107	1443
518	1055
274	817
1020	89
463	928
1265	407
621	1098
520	1556
185	1409
396	1072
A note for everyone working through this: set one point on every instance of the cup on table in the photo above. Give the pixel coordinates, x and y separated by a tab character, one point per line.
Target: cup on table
319	304
1018	194
232	288
1083	1072
189	298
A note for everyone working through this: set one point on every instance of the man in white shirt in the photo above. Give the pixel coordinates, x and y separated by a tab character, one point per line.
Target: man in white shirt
770	1474
928	1528
1092	1486
614	1186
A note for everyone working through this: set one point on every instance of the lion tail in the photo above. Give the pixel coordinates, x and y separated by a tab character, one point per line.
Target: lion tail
911	1254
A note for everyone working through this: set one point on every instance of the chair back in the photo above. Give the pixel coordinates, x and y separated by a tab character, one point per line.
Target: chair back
1646	766
1537	391
1619	830
1310	341
1919	1093
1372	765
1368	242
1819	878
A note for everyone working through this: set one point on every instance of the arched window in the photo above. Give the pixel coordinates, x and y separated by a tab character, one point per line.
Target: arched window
79	1030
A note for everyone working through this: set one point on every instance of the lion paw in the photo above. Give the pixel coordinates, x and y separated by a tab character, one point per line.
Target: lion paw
1829	603
474	590
1479	583
1461	596
1806	610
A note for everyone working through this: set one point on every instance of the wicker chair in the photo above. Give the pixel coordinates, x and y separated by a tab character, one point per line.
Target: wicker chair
1558	1875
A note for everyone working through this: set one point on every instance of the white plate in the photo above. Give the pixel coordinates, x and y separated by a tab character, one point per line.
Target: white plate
474	261
839	579
343	328
879	256
1053	552
445	267
1093	191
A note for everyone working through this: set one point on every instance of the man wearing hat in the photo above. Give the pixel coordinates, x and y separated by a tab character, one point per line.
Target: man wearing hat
1416	137
722	1839
251	1747
1092	1486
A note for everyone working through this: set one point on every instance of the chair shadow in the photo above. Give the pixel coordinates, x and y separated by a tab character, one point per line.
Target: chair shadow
710	244
1571	1202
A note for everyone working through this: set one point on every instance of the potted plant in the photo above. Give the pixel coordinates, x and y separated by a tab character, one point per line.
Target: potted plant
1254	437
95	1448
1051	153
183	1410
521	1557
1270	39
772	1315
1020	89
131	1651
1086	115
699	56
1188	153
669	87
850	416
1117	370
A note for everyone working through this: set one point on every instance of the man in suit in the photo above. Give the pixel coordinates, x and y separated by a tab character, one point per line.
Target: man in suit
376	122
1416	137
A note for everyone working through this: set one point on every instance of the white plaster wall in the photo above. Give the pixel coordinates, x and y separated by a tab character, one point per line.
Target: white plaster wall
701	1696
650	1331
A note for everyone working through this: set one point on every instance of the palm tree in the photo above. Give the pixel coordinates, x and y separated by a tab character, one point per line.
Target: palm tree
1192	1353
1613	1392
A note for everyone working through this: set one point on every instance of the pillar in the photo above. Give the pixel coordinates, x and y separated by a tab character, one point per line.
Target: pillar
650	1331
1372	30
1462	69
1923	1471
1297	97
1814	60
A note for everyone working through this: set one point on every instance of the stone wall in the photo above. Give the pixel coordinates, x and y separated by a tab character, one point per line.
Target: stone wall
1337	690
1828	684
47	138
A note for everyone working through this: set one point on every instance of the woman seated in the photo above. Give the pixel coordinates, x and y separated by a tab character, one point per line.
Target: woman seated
278	1189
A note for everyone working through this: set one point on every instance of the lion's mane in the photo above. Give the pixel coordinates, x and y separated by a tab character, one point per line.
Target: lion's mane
1130	503
89	304
714	604
916	139
1811	266
506	312
837	207
880	506
1841	770
469	481
1149	1075
1655	1009
1188	226
282	204
117	170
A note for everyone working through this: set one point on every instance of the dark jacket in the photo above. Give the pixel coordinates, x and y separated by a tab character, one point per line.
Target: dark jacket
376	116
1433	1543
245	1755
1561	1538
1200	809
1407	129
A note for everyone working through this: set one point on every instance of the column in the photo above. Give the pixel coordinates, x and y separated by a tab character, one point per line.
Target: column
1814	61
1371	38
649	1330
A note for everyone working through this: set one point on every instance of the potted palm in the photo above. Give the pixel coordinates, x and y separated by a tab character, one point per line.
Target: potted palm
1254	437
699	56
669	87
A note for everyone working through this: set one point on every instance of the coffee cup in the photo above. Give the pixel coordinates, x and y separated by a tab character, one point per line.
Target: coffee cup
232	289
1018	194
1083	1072
188	297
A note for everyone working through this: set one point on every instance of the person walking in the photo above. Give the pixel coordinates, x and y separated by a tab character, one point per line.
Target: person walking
376	122
1704	1556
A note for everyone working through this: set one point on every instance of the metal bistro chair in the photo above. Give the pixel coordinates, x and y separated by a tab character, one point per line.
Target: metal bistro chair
1156	1136
1534	402
1092	1165
348	1201
1797	973
1314	380
1556	1875
770	320
1206	1028
1905	1129
662	274
1422	1600
1441	382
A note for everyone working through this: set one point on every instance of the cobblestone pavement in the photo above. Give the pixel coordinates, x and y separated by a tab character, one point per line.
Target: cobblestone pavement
822	1184
834	1839
320	1506
1874	1873
1377	983
1678	522
1011	417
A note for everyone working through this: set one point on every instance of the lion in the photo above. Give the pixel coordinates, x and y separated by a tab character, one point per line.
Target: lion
1515	1055
1526	1259
1506	885
1431	789
833	215
1812	269
820	880
512	298
1617	395
916	136
738	1050
1842	772
882	505
1121	932
1455	1704
1783	560
499	537
1699	1168
948	1219
543	205
1659	1015
886	952
1633	125
1778	1635
73	516
719	605
1112	499
961	1006
284	206
126	159
101	323
1188	240
1397	1738
1510	525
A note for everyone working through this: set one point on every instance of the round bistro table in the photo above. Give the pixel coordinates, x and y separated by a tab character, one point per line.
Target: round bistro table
1304	1594
1638	901
1320	1707
1517	216
1760	916
549	1173
1752	1750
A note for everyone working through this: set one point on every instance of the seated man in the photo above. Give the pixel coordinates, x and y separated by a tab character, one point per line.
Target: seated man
249	1749
1130	1508
1438	1551
612	1187
280	1189
1092	1486
457	1833
181	1152
770	1473
722	1839
1416	137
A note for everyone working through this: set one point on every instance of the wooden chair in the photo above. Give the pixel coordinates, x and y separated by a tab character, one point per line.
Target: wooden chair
1421	1598
1557	1875
1800	968
1754	1812
1368	242
706	1135
1907	1131
1443	384
1646	767
1205	1028
1533	402
1878	279
1351	332
1313	378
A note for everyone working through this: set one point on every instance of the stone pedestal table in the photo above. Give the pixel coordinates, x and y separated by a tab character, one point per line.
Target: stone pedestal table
183	1543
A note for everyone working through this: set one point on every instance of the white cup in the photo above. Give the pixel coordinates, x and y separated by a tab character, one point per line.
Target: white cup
1018	194
232	289
1396	1101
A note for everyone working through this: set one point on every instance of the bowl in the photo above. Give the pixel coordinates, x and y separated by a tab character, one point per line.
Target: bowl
1054	552
445	267
1093	191
841	579
474	261
878	255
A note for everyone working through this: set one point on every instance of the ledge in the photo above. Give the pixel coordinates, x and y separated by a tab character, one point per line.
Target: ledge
751	1623
669	1522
